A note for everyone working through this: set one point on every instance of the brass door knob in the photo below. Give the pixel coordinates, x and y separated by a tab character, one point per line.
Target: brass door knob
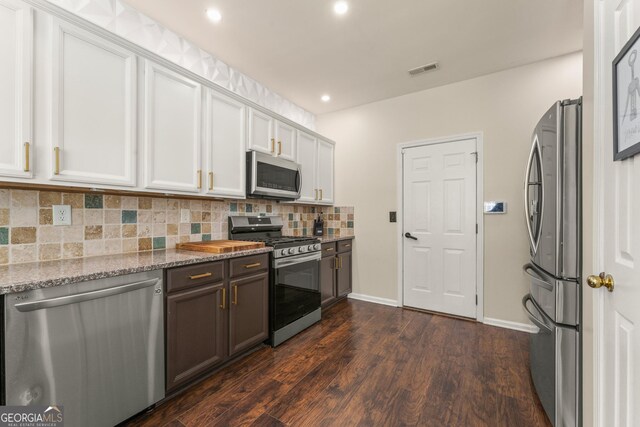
603	279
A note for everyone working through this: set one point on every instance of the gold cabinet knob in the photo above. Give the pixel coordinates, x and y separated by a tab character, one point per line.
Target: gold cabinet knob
601	280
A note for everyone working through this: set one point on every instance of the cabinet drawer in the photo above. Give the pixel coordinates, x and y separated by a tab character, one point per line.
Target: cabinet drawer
344	245
194	275
248	265
328	249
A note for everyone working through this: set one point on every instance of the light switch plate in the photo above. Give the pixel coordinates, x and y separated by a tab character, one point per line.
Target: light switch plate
61	215
185	215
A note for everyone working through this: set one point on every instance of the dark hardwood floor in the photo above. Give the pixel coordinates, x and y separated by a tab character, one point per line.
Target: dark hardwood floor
370	365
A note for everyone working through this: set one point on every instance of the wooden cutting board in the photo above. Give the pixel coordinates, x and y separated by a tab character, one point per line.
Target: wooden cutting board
220	246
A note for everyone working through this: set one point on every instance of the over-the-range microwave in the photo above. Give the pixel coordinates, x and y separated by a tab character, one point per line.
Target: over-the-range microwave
272	177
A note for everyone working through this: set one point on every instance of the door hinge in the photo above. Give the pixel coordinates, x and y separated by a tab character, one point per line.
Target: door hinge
475	153
476	228
476	299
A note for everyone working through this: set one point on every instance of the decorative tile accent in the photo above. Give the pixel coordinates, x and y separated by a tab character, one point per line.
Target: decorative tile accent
93	201
139	223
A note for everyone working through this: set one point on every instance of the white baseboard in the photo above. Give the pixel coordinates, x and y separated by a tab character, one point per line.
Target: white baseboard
376	300
511	325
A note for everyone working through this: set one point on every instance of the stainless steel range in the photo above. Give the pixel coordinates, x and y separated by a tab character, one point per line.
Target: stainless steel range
294	284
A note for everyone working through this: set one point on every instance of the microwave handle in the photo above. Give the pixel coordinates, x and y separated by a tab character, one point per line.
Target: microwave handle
299	181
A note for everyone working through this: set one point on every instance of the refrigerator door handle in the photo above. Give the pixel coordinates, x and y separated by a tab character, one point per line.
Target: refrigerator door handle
535	150
532	316
533	274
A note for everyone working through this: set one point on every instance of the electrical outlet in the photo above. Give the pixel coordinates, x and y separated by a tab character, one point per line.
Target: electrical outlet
185	215
61	215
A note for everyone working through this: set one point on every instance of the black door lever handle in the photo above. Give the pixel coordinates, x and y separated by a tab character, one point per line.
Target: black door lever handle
409	236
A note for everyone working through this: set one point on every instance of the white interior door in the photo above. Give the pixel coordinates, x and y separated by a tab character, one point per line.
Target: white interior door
307	158
93	109
439	227
172	130
225	146
617	313
16	38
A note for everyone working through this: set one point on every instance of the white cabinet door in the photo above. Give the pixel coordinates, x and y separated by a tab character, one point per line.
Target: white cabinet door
261	136
16	41
225	146
307	158
172	131
93	109
325	171
285	136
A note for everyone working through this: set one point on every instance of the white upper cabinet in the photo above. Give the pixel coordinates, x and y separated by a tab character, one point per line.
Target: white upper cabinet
307	158
225	146
93	110
325	171
285	136
16	41
261	136
172	131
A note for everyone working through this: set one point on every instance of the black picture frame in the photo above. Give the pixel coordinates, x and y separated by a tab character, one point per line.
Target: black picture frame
633	89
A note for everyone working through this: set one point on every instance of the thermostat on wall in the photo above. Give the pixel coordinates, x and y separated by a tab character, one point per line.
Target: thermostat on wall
495	207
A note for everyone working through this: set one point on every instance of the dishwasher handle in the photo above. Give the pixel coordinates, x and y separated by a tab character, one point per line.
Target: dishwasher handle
84	296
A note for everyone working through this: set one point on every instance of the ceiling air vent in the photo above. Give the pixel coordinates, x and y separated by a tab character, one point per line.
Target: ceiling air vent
424	68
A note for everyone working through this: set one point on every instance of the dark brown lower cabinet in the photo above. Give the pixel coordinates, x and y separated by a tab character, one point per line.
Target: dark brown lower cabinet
213	313
343	274
335	271
248	312
328	280
196	332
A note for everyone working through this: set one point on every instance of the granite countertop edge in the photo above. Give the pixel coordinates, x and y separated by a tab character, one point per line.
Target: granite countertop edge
330	239
16	278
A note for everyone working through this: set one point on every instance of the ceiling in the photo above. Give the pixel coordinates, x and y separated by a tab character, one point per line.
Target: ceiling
300	49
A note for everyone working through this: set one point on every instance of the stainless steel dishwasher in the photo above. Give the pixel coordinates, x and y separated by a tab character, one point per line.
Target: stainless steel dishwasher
95	347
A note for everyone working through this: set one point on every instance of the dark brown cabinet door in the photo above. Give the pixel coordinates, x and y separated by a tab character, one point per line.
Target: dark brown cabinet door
328	280
248	312
344	274
196	332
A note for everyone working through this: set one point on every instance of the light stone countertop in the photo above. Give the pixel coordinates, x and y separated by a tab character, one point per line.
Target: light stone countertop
46	274
329	239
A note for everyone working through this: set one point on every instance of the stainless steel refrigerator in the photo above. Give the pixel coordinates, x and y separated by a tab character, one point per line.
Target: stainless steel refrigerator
553	213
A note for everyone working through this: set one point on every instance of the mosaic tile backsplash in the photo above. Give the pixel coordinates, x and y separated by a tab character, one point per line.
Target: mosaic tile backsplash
106	224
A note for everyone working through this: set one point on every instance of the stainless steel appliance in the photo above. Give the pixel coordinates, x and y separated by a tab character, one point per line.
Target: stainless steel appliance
95	347
553	213
272	177
294	284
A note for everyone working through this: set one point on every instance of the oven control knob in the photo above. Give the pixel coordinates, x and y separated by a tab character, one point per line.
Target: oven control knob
292	251
311	247
302	249
283	252
316	246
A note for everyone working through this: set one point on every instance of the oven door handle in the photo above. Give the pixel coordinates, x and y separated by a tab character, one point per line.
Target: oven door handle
532	316
287	262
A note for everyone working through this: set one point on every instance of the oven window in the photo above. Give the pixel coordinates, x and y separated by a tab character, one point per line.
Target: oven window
276	177
296	292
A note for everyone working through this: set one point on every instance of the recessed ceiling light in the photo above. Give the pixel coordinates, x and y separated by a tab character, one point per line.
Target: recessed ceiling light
325	98
214	15
340	7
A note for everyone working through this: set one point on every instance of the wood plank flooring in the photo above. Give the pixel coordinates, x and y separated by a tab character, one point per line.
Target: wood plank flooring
370	365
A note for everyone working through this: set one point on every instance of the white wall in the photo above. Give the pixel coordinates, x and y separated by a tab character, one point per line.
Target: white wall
505	106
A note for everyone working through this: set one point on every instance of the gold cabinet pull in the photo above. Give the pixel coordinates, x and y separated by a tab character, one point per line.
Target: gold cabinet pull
199	179
27	148
316	194
210	180
321	198
348	245
200	276
335	263
235	294
329	249
224	298
279	148
273	145
254	265
56	152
